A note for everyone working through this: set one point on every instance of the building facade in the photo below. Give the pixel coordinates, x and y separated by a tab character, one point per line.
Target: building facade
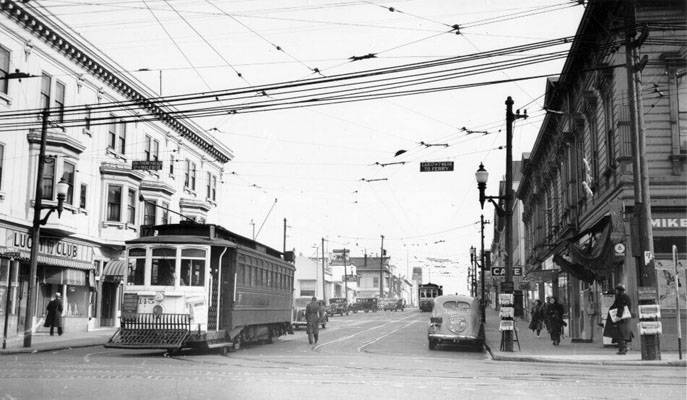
91	141
577	187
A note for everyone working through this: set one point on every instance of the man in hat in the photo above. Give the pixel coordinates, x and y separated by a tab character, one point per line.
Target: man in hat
312	316
620	329
53	318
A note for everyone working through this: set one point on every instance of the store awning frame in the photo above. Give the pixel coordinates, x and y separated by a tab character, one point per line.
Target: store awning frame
115	268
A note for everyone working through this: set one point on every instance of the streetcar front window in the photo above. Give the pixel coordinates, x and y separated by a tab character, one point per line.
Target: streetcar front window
163	267
192	267
136	271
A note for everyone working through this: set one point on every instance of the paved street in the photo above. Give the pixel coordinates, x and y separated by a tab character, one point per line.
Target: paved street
360	356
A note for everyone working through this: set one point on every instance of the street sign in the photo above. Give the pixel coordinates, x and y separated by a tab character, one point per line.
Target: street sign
498	271
340	251
147	165
517	271
436	166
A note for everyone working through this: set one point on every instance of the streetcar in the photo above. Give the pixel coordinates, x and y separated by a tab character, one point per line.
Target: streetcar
201	286
426	293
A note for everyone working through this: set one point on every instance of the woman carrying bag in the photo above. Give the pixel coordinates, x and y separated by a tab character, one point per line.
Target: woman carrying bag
618	319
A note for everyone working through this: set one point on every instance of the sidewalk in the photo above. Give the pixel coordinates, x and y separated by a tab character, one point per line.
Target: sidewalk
540	349
43	342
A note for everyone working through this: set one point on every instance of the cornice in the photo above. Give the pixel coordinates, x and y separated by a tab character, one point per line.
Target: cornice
59	42
56	138
120	169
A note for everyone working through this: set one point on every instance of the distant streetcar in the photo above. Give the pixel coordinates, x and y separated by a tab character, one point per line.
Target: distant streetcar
202	286
426	293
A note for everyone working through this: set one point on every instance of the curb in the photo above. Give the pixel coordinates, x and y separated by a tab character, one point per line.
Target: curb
678	363
22	350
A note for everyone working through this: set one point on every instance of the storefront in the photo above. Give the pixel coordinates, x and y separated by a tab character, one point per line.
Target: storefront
64	265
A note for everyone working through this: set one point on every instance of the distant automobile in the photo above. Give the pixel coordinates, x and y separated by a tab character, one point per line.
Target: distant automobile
455	320
298	319
366	304
338	305
389	304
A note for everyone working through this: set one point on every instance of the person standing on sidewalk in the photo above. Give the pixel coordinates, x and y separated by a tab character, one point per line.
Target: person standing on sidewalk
620	330
312	316
555	313
537	317
53	318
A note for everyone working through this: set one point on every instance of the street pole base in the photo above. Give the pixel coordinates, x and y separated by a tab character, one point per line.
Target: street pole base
651	347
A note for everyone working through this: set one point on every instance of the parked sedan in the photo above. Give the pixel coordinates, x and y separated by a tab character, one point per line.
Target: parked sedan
455	320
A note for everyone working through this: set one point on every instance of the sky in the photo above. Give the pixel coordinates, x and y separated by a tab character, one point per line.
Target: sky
325	168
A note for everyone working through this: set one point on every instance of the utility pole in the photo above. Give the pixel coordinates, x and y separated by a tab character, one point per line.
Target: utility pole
324	297
507	285
644	258
284	246
483	301
35	233
381	269
345	275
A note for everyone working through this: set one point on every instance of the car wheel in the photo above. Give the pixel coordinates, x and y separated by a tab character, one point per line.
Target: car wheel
432	345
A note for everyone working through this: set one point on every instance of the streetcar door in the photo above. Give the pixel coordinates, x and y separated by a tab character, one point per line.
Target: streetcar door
227	291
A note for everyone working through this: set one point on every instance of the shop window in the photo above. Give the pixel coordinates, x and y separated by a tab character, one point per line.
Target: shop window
60	90
163	267
114	203
192	267
4	70
131	207
136	270
68	176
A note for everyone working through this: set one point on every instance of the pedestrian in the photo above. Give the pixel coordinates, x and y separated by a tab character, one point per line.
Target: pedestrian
619	330
545	314
53	318
555	313
536	317
312	317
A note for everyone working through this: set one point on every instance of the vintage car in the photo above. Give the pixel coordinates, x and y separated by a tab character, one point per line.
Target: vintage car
392	305
338	305
366	304
455	320
298	320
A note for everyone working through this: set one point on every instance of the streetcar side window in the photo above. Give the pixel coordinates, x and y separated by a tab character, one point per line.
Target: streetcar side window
163	267
192	267
136	270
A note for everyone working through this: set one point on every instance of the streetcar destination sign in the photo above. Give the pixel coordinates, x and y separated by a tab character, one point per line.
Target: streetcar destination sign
436	166
147	164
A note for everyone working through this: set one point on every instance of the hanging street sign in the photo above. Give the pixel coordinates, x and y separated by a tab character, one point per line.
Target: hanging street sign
147	165
436	166
517	271
498	271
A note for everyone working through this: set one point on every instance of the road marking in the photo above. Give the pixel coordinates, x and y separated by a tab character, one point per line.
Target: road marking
360	349
341	339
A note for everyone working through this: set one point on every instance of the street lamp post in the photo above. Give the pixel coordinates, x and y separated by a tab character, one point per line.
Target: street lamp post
483	300
62	188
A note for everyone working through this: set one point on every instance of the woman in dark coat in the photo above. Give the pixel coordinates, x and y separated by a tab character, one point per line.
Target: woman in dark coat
555	313
54	317
537	317
620	330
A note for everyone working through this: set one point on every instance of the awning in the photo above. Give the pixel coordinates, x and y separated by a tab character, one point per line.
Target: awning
115	268
58	262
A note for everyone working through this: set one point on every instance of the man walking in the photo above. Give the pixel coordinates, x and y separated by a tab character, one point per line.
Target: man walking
312	316
53	318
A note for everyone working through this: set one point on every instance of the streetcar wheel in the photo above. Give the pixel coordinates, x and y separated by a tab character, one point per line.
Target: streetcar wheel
236	344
